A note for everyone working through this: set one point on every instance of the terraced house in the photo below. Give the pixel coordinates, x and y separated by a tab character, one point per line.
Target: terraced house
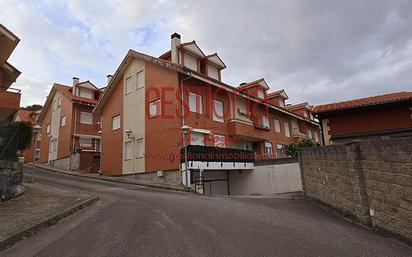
69	131
9	97
151	102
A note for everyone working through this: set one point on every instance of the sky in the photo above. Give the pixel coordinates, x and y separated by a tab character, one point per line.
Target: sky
319	51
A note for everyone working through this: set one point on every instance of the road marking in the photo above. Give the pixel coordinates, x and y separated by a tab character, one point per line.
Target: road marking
167	218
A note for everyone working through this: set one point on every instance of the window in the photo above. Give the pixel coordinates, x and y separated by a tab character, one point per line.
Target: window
128	85
310	133
277	126
281	103
190	62
63	121
85	142
212	72
261	93
265	121
128	152
154	108
116	122
86	118
287	131
195	103
48	129
140	79
220	141
268	148
280	151
316	136
86	93
197	138
139	148
218	111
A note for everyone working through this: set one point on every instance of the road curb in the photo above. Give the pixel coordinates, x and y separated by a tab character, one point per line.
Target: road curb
109	179
13	239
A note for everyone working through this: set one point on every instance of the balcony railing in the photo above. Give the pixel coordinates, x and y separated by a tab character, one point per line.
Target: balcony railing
215	158
261	126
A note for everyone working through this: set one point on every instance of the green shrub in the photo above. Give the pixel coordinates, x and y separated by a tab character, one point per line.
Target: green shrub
292	149
14	137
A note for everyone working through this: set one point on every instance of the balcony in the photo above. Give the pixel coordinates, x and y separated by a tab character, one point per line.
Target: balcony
9	103
215	158
248	130
297	135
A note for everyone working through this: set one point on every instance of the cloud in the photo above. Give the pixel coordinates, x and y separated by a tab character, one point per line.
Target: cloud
319	51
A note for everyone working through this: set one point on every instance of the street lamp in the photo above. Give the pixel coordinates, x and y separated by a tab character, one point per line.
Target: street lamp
36	129
129	134
185	131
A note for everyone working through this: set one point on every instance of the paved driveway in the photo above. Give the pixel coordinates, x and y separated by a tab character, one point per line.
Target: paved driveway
135	221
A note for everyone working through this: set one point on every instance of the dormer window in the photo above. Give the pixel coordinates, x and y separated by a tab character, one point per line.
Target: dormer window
190	62
261	93
86	93
282	103
213	72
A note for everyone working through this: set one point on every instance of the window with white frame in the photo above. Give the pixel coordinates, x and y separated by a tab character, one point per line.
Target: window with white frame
195	103
268	148
218	114
140	79
220	140
63	121
213	72
265	121
139	148
310	134
155	108
86	118
86	93
116	122
48	129
261	93
287	130
190	62
277	126
85	142
128	85
128	150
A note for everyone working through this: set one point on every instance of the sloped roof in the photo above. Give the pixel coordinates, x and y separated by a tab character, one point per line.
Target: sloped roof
259	82
67	91
294	107
26	115
214	58
192	47
278	93
361	102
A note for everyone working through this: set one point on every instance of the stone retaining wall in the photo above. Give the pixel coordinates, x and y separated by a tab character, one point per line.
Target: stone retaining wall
11	179
369	180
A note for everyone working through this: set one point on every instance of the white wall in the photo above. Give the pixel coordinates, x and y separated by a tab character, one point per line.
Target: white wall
266	180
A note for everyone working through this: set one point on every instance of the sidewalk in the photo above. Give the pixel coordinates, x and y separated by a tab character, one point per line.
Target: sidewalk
124	180
39	207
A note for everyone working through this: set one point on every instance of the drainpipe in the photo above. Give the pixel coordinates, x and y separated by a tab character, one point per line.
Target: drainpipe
183	125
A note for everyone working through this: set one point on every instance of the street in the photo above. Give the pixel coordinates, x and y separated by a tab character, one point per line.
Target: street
131	220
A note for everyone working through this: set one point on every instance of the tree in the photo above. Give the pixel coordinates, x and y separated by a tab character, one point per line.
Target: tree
14	137
292	149
33	107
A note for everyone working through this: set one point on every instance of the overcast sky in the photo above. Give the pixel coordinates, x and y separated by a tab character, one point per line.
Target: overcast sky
318	51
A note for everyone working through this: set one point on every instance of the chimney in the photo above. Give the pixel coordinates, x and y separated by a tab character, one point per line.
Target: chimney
75	82
175	42
109	78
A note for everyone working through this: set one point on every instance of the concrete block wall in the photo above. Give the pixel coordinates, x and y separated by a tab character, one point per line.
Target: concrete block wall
369	180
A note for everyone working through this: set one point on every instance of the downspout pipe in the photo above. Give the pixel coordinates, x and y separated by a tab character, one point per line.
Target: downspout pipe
183	125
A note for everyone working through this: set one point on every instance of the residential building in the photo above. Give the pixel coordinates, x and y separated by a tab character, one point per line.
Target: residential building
9	97
69	130
388	115
149	100
30	116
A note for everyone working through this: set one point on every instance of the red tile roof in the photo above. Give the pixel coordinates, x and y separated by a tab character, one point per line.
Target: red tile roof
361	102
67	91
295	107
25	115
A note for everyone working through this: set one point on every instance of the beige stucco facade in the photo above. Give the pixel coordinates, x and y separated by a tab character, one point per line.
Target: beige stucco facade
55	126
134	117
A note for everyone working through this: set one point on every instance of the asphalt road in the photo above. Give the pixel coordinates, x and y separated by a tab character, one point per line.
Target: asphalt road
136	221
